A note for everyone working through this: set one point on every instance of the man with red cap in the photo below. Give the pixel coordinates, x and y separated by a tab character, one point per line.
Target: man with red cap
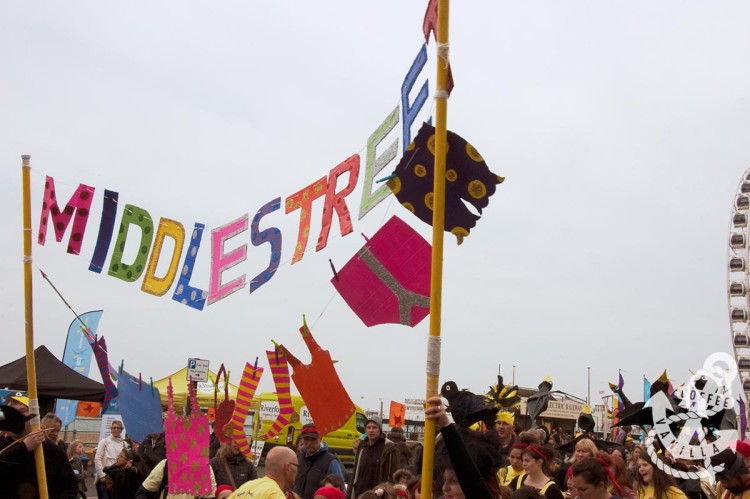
315	463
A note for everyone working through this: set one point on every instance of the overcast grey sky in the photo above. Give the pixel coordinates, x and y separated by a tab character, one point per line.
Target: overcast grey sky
622	129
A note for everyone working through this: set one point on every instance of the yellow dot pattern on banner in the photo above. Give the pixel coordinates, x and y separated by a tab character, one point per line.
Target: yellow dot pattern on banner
431	145
477	189
473	153
451	175
394	185
411	146
420	171
459	231
428	200
408	206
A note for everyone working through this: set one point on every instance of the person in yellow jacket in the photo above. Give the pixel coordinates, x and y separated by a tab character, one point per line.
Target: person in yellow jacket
281	471
654	483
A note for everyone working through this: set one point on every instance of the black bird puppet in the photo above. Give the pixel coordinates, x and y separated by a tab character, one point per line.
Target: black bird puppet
466	407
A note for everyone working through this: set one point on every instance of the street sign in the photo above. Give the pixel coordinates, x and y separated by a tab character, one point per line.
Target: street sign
197	369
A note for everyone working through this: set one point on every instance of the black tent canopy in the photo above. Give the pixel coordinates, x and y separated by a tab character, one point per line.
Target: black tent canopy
53	379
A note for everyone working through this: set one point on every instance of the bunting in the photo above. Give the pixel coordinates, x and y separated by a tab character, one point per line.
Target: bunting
100	353
280	374
187	448
320	386
245	393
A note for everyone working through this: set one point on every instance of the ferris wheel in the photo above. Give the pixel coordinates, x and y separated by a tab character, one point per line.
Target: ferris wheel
738	281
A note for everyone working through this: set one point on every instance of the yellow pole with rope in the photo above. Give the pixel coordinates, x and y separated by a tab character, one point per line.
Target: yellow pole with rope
29	298
438	227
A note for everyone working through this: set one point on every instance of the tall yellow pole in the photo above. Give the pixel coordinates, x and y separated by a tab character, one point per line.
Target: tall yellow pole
29	301
438	228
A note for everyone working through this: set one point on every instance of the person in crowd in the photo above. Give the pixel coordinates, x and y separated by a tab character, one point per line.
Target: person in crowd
743	451
75	449
536	461
633	461
213	443
156	485
584	448
544	436
619	453
231	467
526	492
734	479
52	424
472	460
107	451
654	483
334	481
376	459
402	476
414	487
281	472
18	477
557	436
384	490
125	476
592	477
506	474
153	449
415	447
623	434
692	486
396	435
622	478
315	463
505	428
329	492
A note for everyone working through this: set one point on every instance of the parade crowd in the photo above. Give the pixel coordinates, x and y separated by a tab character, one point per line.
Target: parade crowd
497	462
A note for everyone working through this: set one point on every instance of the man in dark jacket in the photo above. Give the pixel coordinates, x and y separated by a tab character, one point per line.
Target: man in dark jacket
153	450
231	467
376	460
315	463
17	466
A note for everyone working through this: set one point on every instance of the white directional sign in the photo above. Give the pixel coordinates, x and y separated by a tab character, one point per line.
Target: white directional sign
197	369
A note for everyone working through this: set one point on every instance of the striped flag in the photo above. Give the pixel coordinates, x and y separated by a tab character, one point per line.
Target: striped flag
280	374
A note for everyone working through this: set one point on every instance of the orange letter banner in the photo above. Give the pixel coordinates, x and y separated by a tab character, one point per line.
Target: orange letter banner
302	201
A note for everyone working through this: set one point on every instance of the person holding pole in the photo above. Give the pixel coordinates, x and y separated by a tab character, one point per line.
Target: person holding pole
18	477
473	458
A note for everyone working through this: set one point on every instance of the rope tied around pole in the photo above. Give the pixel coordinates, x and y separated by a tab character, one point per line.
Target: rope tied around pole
433	355
443	52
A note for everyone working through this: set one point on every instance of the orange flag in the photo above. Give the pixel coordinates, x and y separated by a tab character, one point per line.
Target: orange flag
88	409
397	413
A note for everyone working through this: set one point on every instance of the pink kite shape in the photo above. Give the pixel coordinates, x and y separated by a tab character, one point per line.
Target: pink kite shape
388	280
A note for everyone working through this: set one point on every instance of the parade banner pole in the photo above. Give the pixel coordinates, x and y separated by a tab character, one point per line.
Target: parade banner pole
29	298
438	227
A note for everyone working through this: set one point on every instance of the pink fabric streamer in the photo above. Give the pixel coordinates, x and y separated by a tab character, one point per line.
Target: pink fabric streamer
187	448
